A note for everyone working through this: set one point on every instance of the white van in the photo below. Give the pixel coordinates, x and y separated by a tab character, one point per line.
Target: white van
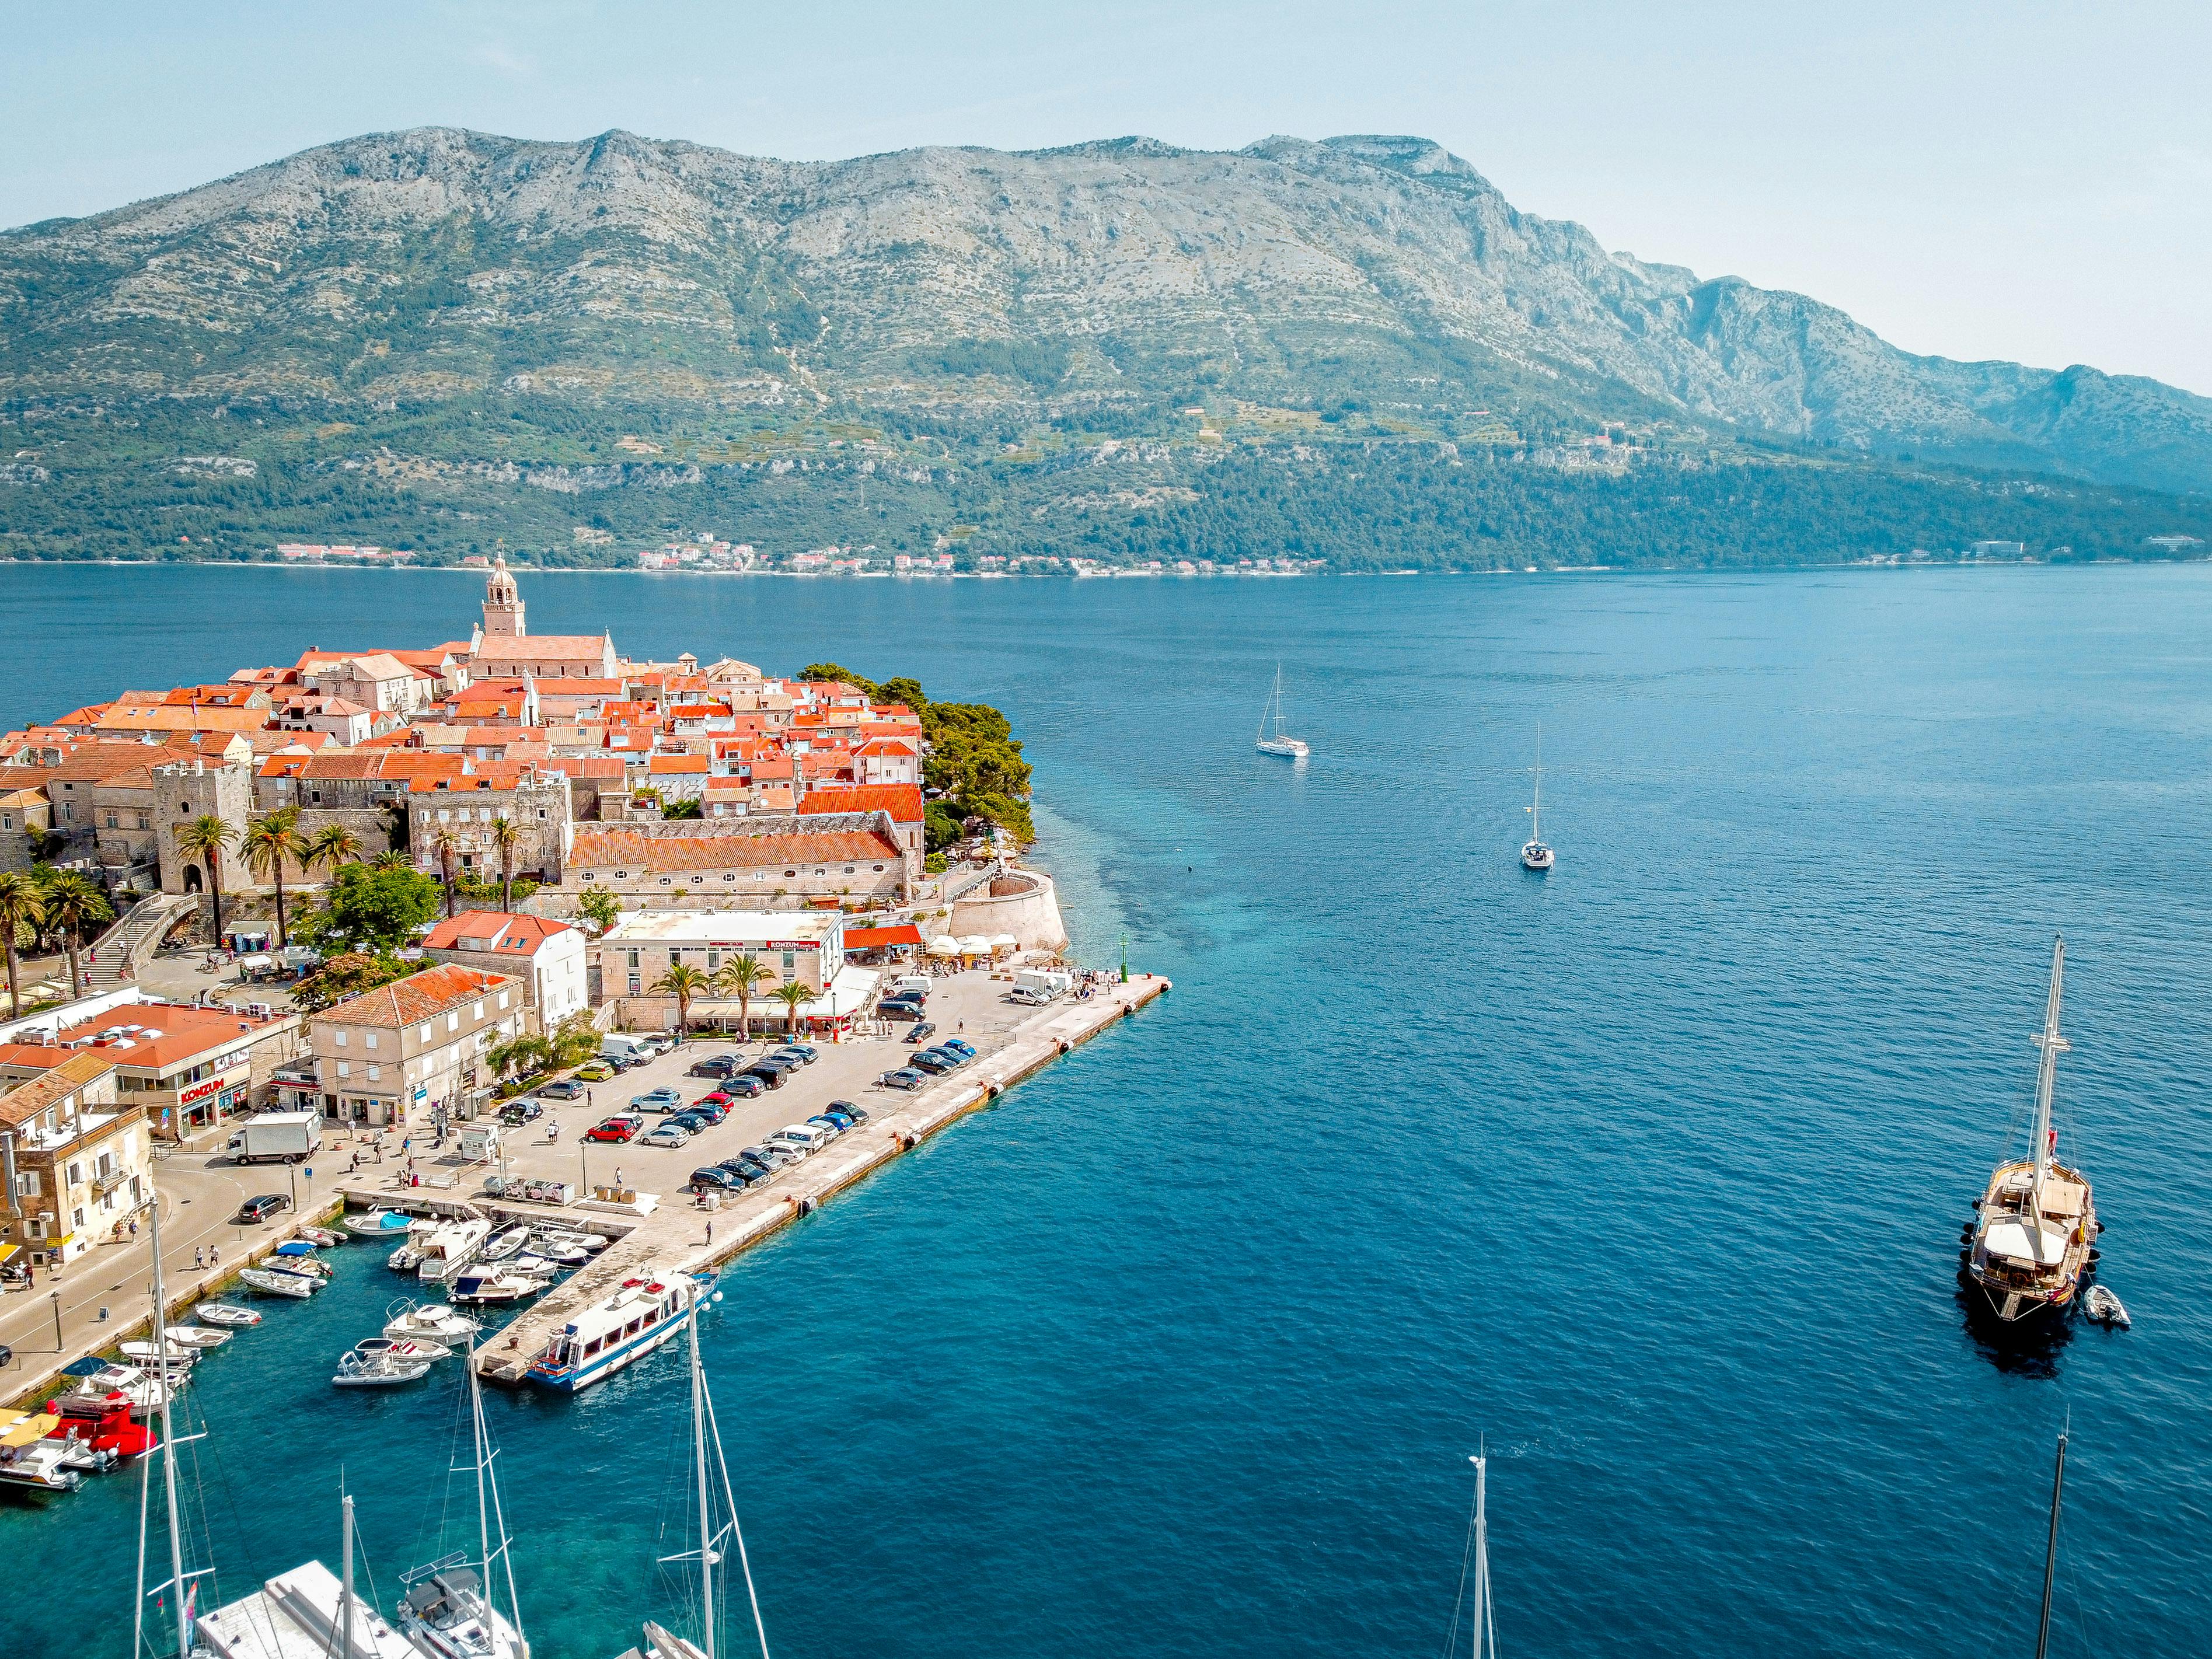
1050	982
912	983
806	1137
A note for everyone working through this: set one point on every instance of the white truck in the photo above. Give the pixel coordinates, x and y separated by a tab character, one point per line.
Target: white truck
276	1138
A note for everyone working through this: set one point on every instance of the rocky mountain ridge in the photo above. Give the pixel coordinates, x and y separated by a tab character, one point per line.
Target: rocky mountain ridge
1107	283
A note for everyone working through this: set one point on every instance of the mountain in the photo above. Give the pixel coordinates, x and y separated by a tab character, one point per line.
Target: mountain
444	310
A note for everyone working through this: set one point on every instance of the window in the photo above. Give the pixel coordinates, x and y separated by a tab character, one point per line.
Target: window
69	813
476	1010
345	1068
453	1020
632	959
423	1036
368	1039
714	960
76	1218
695	880
36	1226
31	1183
111	823
502	998
76	1177
635	985
339	1036
787	959
375	1073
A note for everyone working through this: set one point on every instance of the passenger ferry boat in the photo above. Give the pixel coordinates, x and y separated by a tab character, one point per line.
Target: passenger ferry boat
2034	1243
644	1313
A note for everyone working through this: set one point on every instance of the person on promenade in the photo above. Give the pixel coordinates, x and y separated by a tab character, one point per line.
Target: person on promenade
214	1255
200	1259
710	1229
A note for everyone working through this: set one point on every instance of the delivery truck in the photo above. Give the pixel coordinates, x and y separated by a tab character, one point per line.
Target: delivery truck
276	1138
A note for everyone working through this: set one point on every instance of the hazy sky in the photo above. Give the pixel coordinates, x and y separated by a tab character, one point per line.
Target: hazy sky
2024	180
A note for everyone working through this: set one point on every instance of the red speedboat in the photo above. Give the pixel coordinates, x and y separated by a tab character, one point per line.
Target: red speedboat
102	1422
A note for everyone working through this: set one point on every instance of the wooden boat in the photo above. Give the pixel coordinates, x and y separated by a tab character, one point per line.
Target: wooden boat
2035	1241
222	1312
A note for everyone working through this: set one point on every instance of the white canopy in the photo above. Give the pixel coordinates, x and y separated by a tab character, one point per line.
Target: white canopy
1005	942
946	946
2013	1240
975	945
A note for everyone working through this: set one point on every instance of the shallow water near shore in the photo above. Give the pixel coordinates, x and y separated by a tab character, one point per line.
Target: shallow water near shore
1649	1173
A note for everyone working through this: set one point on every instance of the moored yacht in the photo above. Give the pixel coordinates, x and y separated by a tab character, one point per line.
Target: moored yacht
645	1311
1278	743
450	1247
2033	1244
1535	854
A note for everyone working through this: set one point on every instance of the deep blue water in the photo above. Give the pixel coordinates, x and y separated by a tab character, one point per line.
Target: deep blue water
1651	1172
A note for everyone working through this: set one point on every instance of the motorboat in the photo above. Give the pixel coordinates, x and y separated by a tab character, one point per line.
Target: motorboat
322	1235
145	1392
2033	1246
177	1355
223	1313
503	1245
193	1336
309	1265
591	1241
102	1422
445	1612
434	1320
31	1460
559	1255
2105	1308
406	1259
357	1370
642	1312
378	1223
486	1282
450	1247
297	1249
297	1285
401	1348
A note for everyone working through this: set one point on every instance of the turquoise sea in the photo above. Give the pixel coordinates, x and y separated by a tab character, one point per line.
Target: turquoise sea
1649	1175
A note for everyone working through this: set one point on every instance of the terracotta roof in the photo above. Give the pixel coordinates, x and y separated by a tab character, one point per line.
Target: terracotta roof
418	997
610	849
168	1035
20	1105
665	765
540	646
901	800
500	931
95	763
166	718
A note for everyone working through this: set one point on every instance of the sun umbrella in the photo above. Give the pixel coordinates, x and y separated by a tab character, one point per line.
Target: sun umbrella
944	946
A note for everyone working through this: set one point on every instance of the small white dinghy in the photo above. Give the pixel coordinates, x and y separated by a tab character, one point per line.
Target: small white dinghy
221	1313
378	1223
589	1242
358	1371
180	1356
505	1244
273	1283
434	1320
2107	1308
322	1235
561	1253
191	1336
401	1348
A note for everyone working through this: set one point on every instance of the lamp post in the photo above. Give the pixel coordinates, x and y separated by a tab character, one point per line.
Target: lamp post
56	1298
1125	958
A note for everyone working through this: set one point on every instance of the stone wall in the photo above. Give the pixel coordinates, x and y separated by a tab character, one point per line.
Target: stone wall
1022	903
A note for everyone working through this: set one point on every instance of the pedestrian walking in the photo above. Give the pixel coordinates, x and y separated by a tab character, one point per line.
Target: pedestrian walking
134	1229
199	1260
710	1229
618	1180
214	1255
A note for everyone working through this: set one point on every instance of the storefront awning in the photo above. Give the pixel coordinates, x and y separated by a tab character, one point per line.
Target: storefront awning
881	939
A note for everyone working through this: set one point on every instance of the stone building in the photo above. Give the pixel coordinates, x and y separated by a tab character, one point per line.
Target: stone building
537	801
411	1053
184	790
504	648
547	956
754	862
76	1162
187	1067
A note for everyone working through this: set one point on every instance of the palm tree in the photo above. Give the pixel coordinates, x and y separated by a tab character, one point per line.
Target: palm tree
445	844
742	975
22	904
332	845
793	996
507	836
682	982
268	842
73	903
204	838
392	859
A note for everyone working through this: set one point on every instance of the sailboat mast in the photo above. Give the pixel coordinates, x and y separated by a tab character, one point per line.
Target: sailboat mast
487	1510
165	1383
1484	1636
2051	1551
705	1493
345	1576
2046	1072
1536	806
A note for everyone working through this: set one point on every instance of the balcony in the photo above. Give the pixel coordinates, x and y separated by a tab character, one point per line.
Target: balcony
103	1185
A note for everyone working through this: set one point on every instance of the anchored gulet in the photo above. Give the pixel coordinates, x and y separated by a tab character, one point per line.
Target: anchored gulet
2033	1244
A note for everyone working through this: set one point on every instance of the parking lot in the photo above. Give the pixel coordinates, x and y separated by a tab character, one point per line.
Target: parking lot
969	1005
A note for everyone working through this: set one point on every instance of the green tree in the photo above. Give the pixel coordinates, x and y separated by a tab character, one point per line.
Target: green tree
505	836
391	858
831	672
793	995
577	1039
528	1055
683	983
741	976
598	906
73	903
349	974
371	908
22	905
205	838
331	846
268	842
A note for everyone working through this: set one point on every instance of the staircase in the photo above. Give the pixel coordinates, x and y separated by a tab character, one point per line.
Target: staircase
133	938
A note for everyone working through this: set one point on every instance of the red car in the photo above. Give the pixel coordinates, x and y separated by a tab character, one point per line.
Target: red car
716	1098
615	1128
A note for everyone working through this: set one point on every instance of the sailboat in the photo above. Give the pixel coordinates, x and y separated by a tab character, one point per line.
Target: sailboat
2035	1241
662	1643
1472	1613
1289	748
1534	855
451	1608
2050	1549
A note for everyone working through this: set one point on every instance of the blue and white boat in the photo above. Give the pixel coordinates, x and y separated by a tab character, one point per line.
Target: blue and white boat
645	1311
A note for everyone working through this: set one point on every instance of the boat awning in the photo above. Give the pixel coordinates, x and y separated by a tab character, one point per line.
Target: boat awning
27	1429
881	938
2013	1241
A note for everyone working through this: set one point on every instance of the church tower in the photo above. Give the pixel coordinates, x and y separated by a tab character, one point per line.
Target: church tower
503	605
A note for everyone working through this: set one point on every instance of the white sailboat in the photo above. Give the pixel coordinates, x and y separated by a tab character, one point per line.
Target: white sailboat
451	1608
1471	1612
1288	747
1534	855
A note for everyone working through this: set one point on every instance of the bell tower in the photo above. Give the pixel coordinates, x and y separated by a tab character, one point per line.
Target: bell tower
503	605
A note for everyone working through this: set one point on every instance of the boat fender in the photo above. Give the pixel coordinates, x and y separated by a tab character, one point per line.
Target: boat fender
1066	1047
2095	1256
1965	1256
1978	1203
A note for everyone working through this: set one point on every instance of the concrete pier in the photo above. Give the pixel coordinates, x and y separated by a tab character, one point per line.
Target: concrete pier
673	1235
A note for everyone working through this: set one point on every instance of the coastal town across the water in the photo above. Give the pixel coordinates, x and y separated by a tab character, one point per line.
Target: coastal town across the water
391	888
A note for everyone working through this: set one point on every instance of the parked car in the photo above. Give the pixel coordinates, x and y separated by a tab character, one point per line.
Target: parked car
628	1062
716	1066
595	1071
959	1046
894	1010
713	1110
850	1110
715	1179
566	1089
768	1076
812	1137
255	1211
905	1077
692	1121
921	1033
516	1113
807	1056
664	1134
835	1122
654	1097
714	1097
744	1087
744	1171
770	1157
1027	997
616	1129
932	1060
